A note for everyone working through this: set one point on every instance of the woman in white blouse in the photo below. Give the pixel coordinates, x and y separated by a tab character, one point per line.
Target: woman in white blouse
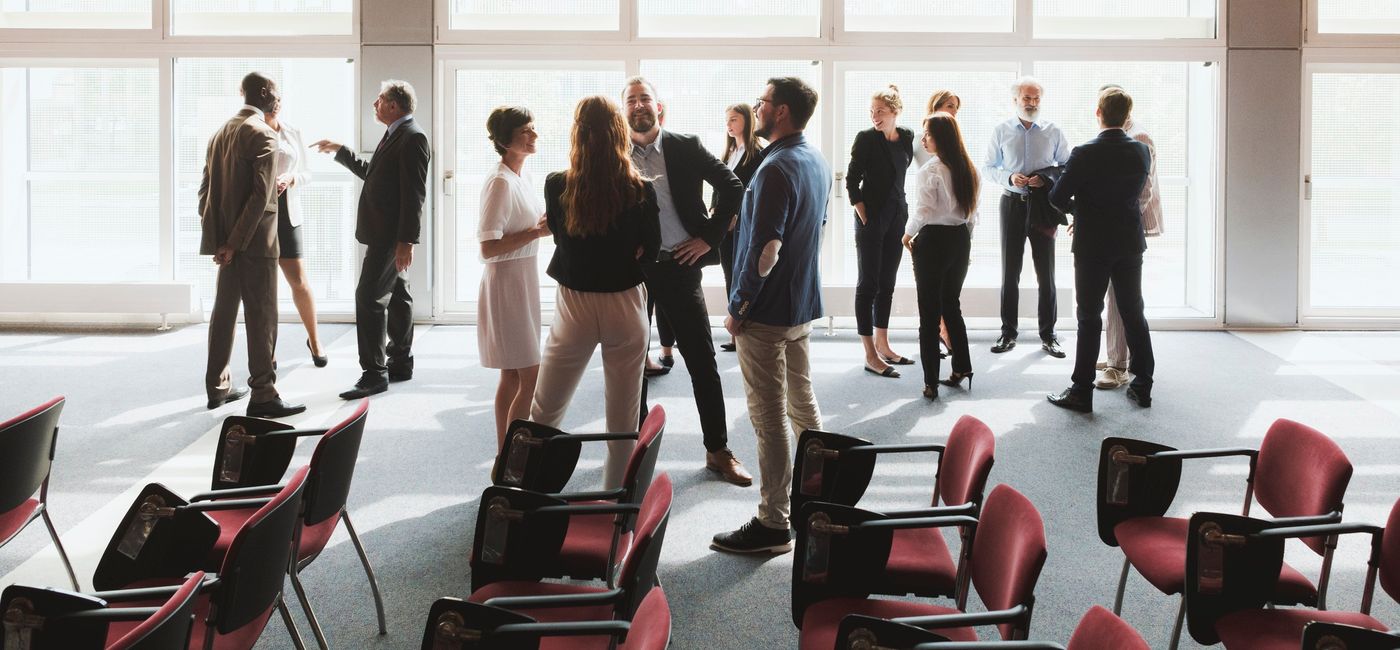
291	177
939	238
508	306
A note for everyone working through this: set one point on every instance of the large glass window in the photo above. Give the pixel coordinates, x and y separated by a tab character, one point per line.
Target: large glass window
318	98
733	18
1352	17
526	15
79	173
551	90
261	17
75	14
1136	19
1355	204
984	16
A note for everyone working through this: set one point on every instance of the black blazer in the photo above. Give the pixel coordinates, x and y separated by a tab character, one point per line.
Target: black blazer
606	262
688	165
1105	178
396	185
744	172
871	173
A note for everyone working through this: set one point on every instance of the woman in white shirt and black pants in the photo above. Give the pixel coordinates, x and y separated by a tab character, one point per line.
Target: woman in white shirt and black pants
939	238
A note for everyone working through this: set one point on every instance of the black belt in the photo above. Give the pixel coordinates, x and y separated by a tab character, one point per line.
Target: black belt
1024	198
665	256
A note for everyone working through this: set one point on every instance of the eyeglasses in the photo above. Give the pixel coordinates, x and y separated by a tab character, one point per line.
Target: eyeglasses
761	101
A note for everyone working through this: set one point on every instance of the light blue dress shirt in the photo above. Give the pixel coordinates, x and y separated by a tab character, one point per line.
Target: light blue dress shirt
651	162
1014	149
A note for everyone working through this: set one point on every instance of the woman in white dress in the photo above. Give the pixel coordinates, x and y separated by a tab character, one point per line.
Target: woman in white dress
291	177
508	306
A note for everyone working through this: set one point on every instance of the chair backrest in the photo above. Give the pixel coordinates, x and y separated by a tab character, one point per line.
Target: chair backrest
641	464
967	460
1130	485
1100	628
256	564
638	573
1389	570
333	467
1008	552
26	452
1300	472
1228	569
1335	636
170	626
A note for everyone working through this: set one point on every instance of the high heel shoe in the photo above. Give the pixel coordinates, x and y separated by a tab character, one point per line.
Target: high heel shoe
955	380
930	392
320	361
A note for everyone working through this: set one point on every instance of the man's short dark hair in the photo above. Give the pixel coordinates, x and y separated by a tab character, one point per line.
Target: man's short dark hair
1114	107
253	86
800	98
502	123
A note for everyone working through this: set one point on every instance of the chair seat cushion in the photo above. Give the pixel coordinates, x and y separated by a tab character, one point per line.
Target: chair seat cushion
240	639
822	620
920	563
16	519
313	538
1156	547
1280	629
587	544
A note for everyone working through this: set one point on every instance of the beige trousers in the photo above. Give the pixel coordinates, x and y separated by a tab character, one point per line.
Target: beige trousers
778	382
1113	333
584	320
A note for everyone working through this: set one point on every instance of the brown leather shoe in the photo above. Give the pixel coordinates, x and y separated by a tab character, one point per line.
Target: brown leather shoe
728	467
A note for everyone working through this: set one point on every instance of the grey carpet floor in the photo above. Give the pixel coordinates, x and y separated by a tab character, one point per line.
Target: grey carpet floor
135	400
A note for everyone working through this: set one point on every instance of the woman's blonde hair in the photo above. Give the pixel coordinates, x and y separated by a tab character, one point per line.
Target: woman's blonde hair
890	97
941	97
601	181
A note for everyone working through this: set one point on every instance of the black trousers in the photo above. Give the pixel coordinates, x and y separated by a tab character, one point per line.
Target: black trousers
676	290
940	266
1015	230
726	261
1092	273
879	250
383	306
663	324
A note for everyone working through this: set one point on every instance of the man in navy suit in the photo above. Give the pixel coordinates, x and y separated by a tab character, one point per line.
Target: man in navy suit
1101	185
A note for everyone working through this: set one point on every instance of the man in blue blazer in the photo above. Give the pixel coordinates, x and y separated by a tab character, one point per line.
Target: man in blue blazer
1101	185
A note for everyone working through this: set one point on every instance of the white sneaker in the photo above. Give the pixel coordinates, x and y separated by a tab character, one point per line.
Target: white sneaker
1111	378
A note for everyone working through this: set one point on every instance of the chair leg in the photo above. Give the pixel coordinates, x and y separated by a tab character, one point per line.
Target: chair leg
310	614
62	554
369	570
1122	586
1176	630
291	626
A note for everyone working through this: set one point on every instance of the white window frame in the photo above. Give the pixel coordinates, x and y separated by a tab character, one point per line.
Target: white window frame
159	32
152	32
167	17
1313	38
1333	60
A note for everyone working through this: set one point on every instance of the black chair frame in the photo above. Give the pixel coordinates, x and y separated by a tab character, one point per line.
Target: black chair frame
1334	636
43	618
455	624
26	464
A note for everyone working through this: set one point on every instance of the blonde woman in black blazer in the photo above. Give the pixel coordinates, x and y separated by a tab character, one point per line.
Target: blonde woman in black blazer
880	159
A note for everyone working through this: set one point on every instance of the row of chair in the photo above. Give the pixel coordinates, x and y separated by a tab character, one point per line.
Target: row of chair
203	572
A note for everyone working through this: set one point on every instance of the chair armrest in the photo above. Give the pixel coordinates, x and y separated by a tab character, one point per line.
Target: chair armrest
293	433
602	437
1333	517
916	522
974	619
989	645
589	509
967	508
145	593
1319	530
228	504
894	449
110	614
597	495
231	493
1195	454
572	628
561	600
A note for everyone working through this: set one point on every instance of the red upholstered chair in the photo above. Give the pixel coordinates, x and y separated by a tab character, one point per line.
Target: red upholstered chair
43	619
1334	636
542	459
1232	565
637	599
455	624
27	444
162	538
1297	475
840	550
592	542
1099	629
250	460
836	468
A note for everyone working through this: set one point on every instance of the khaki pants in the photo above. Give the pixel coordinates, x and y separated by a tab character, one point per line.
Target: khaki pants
778	383
1113	333
584	320
252	282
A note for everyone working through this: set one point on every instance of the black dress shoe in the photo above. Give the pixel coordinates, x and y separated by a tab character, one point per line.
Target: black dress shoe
668	360
1052	348
1140	396
728	347
401	369
1073	400
231	396
277	408
1003	344
369	384
656	372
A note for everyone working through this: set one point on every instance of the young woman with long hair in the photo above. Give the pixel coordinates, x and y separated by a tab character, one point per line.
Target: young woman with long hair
742	153
603	216
939	237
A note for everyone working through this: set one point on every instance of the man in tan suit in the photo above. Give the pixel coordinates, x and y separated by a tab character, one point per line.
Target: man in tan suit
238	214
